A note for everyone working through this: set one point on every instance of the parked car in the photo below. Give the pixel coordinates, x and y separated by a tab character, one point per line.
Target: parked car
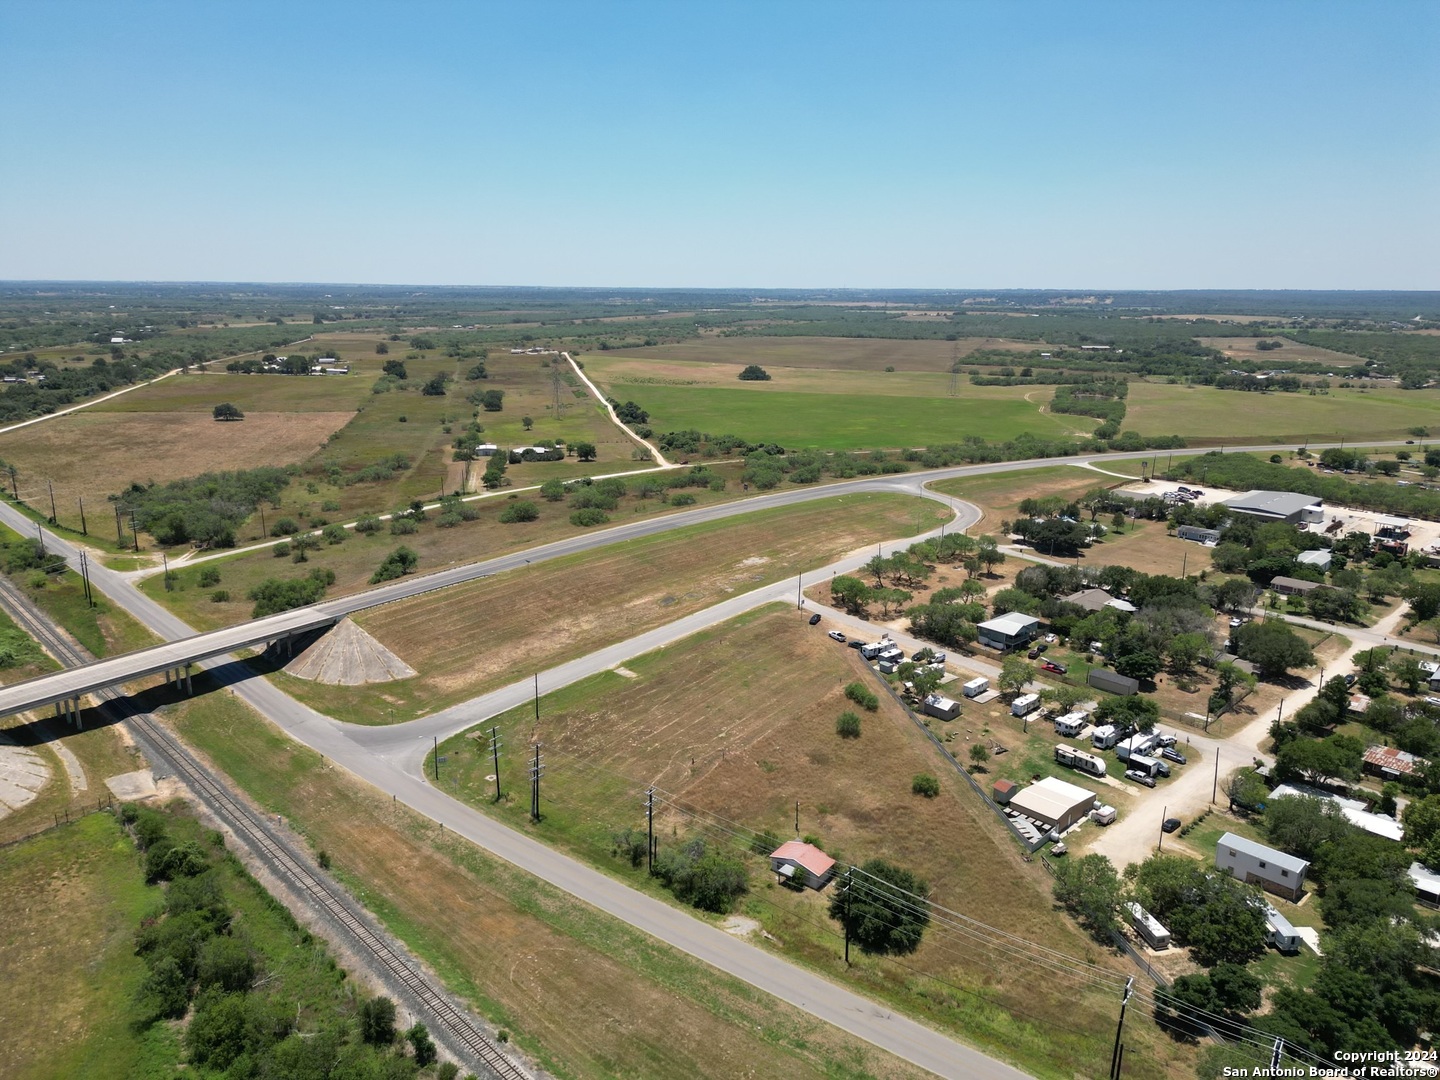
1235	620
1140	777
1051	665
1350	679
855	643
1165	740
835	635
815	619
1169	753
1170	825
938	658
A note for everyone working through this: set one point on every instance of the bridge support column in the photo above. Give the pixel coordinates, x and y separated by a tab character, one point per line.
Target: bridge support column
189	686
75	711
57	713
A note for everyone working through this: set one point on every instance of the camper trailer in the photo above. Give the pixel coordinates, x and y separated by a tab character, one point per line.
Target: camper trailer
1025	705
1071	724
1104	737
1279	931
976	687
872	650
1136	744
1148	765
1103	815
1148	927
1079	759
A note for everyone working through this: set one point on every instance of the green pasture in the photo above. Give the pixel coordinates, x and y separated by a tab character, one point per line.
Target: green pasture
837	421
201	391
1204	414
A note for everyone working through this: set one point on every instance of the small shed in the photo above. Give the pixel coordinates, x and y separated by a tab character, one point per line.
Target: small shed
796	860
942	707
1112	682
1003	790
486	449
1388	763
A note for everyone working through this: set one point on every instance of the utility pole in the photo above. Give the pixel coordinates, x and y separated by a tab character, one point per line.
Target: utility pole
40	535
799	596
797	817
261	508
1215	787
846	920
1115	1054
14	485
165	564
83	530
85	578
650	830
537	697
119	529
495	755
535	772
1163	814
435	742
134	530
53	515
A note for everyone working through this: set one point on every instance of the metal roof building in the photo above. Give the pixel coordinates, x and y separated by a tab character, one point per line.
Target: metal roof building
1054	802
1288	506
1260	865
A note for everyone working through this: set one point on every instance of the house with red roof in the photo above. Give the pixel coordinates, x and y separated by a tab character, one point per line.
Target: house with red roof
798	861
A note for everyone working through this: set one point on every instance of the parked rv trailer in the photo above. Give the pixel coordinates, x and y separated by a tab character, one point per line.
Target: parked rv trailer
1079	759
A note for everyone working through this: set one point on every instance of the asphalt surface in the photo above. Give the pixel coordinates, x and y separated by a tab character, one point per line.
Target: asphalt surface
386	757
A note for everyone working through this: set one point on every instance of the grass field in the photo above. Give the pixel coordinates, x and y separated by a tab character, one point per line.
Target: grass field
485	634
591	997
73	898
839	354
736	725
847	420
1001	494
1205	415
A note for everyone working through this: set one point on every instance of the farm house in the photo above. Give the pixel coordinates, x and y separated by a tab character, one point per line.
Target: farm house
1257	864
796	860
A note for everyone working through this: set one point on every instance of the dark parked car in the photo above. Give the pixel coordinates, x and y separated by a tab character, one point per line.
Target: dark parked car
815	619
856	643
1350	679
1034	654
1171	824
1169	753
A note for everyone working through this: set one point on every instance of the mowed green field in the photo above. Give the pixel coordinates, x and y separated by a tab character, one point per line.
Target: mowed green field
1201	413
846	421
840	354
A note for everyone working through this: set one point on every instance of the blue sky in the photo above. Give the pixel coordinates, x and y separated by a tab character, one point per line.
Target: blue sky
947	145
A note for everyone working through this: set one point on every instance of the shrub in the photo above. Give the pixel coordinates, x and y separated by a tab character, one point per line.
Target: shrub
285	527
925	784
333	534
682	498
524	510
398	563
330	506
209	576
847	726
220	596
280	550
448	520
403	526
589	516
368	524
863	696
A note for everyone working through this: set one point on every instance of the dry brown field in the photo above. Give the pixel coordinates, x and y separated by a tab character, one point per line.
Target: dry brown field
1292	352
91	454
477	637
737	725
592	997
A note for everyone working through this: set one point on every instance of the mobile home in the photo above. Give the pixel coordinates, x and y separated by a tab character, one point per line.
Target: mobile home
1279	931
1071	724
1079	759
1148	927
976	687
1104	737
1025	705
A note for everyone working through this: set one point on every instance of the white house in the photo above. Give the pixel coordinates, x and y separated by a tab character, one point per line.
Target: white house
796	860
1260	865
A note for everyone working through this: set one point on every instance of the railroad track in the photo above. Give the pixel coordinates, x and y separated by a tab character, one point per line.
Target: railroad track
256	831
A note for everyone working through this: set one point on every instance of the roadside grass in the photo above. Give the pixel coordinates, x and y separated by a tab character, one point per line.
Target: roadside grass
105	629
587	995
73	898
479	636
850	419
1206	416
836	354
735	726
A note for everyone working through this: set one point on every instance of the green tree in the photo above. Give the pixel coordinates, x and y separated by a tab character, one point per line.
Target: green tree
1015	674
1137	711
988	551
395	369
1422	821
1302	825
1090	889
553	490
377	1021
1185	652
527	422
227	411
585	451
851	593
1273	647
754	373
436	385
422	1045
847	725
1246	789
979	755
521	510
884	907
1405	669
1320	761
